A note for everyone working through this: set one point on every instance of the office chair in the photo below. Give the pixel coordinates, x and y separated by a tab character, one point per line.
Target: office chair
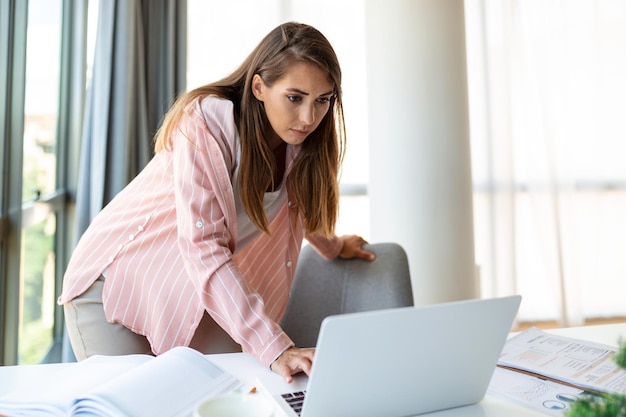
322	288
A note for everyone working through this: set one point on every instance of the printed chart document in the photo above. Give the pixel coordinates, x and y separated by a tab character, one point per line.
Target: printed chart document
583	364
169	385
548	397
549	372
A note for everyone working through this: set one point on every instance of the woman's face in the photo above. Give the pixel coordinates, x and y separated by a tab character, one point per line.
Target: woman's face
295	104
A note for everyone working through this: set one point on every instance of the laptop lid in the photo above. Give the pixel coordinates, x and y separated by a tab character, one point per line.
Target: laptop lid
408	361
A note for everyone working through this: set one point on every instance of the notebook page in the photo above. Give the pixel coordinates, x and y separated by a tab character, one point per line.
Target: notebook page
53	393
170	385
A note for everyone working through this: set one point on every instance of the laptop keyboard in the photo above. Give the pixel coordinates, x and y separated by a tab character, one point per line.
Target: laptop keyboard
295	400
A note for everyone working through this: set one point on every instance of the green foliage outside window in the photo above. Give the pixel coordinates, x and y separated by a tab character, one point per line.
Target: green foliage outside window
38	259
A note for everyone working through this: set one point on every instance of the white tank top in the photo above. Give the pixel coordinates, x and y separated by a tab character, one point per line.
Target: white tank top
272	202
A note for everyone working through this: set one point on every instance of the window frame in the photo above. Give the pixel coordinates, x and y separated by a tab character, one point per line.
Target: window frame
13	21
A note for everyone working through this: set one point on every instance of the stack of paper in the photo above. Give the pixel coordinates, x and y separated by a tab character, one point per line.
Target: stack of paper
580	363
549	372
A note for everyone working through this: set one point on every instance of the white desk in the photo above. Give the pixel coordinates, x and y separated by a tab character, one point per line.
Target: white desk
246	368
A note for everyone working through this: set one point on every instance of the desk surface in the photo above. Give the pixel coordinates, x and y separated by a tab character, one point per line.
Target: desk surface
246	368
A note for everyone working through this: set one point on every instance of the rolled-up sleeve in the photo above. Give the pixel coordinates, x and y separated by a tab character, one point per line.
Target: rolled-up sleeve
328	248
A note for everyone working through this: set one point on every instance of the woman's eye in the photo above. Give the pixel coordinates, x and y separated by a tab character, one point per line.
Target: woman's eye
293	99
323	100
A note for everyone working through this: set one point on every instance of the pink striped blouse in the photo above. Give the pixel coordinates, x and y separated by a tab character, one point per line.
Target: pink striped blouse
167	242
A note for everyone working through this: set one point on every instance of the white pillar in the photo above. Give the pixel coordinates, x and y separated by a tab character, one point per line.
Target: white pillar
420	174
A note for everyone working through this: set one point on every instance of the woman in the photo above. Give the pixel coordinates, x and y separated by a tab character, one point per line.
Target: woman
201	247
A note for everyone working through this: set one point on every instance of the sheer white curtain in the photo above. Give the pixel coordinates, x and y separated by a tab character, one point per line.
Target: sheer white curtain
547	104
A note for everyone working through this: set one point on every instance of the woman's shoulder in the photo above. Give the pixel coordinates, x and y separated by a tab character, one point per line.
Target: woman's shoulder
213	115
215	112
211	106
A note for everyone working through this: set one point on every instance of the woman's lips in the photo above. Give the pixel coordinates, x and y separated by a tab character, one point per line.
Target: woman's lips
301	132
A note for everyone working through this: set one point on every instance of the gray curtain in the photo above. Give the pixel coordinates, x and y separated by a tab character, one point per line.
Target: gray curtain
139	69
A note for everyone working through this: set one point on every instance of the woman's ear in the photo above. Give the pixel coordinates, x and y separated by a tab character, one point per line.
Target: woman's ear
258	87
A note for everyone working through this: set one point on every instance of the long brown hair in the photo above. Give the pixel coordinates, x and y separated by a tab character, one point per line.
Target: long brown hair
315	175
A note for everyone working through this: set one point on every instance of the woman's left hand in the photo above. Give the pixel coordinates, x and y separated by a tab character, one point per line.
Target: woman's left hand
353	248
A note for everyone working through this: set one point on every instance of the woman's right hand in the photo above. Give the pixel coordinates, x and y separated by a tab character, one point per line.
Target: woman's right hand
293	361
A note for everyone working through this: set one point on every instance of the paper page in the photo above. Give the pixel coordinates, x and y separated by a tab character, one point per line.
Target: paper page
53	393
585	364
171	385
548	397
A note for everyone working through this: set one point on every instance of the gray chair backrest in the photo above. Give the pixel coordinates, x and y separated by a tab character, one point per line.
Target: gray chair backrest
322	288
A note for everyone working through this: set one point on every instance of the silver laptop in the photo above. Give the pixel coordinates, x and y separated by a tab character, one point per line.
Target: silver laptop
400	362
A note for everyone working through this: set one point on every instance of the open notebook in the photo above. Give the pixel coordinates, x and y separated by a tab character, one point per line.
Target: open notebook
169	385
401	362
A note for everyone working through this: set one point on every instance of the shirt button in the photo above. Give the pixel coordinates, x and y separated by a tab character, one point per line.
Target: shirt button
147	217
199	224
140	228
289	263
110	259
131	237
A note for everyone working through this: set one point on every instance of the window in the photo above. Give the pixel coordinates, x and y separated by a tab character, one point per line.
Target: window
546	99
38	47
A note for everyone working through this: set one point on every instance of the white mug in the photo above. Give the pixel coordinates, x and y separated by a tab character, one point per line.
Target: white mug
235	405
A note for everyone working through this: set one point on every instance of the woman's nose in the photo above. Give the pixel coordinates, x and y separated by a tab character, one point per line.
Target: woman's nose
307	114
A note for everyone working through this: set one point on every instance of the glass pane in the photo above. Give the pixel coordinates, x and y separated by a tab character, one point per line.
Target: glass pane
41	101
39	178
37	289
